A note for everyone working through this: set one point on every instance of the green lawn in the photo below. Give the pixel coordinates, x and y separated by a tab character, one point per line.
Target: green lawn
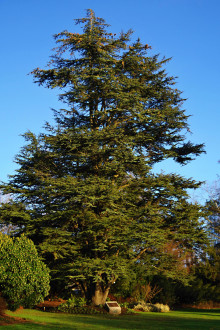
187	319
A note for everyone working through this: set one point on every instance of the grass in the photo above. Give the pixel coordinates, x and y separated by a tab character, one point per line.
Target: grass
185	319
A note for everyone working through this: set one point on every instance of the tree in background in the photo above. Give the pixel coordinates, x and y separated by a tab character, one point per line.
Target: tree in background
85	191
7	228
214	218
24	279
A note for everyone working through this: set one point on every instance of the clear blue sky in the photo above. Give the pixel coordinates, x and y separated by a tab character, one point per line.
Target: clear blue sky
186	30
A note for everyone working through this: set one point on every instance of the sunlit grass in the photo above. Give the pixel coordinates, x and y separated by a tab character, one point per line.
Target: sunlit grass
187	319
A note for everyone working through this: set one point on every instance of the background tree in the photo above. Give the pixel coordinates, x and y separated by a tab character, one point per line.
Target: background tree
213	206
6	228
85	191
24	279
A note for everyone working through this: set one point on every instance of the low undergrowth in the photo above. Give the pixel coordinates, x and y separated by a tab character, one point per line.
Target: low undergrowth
81	310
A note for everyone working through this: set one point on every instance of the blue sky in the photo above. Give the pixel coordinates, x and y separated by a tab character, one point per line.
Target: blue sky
186	30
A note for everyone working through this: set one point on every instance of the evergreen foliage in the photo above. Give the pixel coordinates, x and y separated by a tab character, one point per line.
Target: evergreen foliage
24	279
85	191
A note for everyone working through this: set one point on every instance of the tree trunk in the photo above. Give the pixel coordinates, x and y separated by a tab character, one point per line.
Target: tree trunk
3	305
100	295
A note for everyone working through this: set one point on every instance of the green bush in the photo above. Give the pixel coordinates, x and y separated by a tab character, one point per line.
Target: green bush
24	279
72	303
77	305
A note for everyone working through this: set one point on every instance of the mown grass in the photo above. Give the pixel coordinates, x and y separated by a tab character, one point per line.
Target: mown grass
185	319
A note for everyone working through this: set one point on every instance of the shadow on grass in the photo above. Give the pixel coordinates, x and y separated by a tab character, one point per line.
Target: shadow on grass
208	312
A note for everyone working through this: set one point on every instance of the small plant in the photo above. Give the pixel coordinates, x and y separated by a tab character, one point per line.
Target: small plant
129	311
125	304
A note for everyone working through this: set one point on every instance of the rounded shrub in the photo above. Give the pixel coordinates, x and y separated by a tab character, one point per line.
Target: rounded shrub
24	278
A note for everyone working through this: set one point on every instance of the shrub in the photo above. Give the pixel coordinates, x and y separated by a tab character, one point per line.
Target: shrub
143	307
147	307
80	309
71	304
162	308
145	292
125	304
128	311
24	279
